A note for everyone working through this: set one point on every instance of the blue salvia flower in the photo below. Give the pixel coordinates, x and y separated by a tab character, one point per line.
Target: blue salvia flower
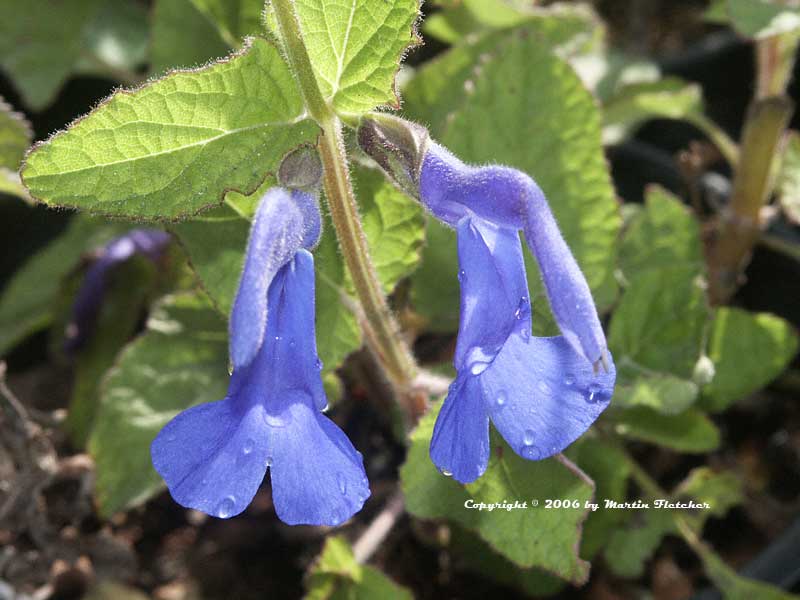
214	456
150	243
540	393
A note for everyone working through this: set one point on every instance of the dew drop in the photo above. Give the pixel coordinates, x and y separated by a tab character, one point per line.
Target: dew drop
569	379
522	308
277	338
446	472
478	367
526	334
269	461
292	343
248	446
593	393
501	398
342	483
527	437
319	364
171	437
462	275
225	507
529	452
544	387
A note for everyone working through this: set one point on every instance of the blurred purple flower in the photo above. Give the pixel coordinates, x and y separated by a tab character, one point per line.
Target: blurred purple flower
147	242
214	456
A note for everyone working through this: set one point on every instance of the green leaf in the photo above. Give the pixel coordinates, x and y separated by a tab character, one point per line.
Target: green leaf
534	536
15	136
737	336
338	332
43	44
27	299
721	491
182	36
115	41
690	431
394	225
660	322
492	117
215	243
180	361
632	546
734	586
663	235
127	289
762	18
668	98
175	146
479	557
788	184
355	47
610	471
40	45
337	576
235	19
662	392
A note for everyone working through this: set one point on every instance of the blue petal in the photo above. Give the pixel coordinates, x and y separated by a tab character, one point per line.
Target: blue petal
317	476
275	236
213	456
493	291
542	395
312	220
570	298
460	442
509	198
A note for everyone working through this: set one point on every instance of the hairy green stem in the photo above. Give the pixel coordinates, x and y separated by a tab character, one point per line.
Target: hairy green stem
739	225
381	330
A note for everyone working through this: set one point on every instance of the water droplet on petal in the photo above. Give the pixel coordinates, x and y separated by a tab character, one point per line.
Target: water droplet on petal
522	308
275	420
171	437
462	275
593	393
569	379
342	483
225	508
529	452
544	387
292	343
277	338
526	334
527	437
478	367
446	472
248	446
501	398
319	364
269	461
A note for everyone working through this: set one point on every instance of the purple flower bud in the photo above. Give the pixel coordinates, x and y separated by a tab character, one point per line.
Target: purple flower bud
147	242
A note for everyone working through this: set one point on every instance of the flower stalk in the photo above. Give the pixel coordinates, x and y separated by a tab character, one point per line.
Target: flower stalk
381	329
